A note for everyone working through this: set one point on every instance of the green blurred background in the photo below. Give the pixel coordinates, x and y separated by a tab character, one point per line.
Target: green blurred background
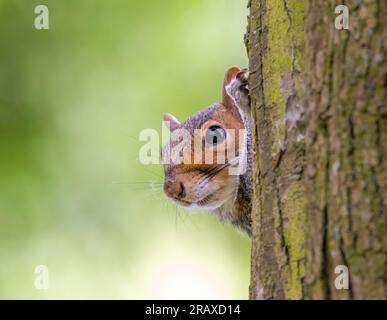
73	195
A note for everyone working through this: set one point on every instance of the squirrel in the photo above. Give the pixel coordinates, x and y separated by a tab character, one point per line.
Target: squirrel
200	185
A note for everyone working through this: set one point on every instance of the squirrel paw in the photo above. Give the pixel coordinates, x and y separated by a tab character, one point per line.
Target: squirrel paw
239	90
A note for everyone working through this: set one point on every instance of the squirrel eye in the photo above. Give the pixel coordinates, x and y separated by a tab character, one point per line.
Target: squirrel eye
215	134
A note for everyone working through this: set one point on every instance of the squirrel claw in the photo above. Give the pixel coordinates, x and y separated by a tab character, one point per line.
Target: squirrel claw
240	90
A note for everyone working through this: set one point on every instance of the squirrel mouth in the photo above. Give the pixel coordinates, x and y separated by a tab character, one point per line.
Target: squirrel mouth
201	203
182	202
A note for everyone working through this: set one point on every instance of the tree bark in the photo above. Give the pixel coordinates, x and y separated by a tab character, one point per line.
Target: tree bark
319	121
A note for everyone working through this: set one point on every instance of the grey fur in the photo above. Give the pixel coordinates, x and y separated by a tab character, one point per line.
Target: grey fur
240	214
238	209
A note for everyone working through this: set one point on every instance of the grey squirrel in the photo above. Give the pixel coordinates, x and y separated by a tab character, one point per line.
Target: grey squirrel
202	185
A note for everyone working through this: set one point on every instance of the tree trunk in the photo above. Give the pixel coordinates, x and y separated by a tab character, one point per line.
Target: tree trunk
319	121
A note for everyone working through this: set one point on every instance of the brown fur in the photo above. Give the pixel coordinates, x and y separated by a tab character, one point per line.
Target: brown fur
225	195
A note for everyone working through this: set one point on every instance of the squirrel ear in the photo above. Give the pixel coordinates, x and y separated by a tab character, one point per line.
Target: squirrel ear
230	75
171	122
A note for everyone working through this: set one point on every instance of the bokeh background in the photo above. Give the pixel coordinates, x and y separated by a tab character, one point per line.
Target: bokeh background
73	195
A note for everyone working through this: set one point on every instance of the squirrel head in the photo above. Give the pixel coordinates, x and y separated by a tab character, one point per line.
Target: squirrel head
202	151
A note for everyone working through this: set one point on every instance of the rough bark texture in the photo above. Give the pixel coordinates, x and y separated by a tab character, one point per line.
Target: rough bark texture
319	120
346	142
275	42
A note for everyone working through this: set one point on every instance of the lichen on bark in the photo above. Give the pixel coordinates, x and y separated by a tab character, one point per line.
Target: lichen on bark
275	40
319	121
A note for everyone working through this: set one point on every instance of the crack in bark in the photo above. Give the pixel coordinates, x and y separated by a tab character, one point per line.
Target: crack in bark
346	263
324	274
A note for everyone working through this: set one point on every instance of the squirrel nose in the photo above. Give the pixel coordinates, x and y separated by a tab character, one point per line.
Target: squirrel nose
174	189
